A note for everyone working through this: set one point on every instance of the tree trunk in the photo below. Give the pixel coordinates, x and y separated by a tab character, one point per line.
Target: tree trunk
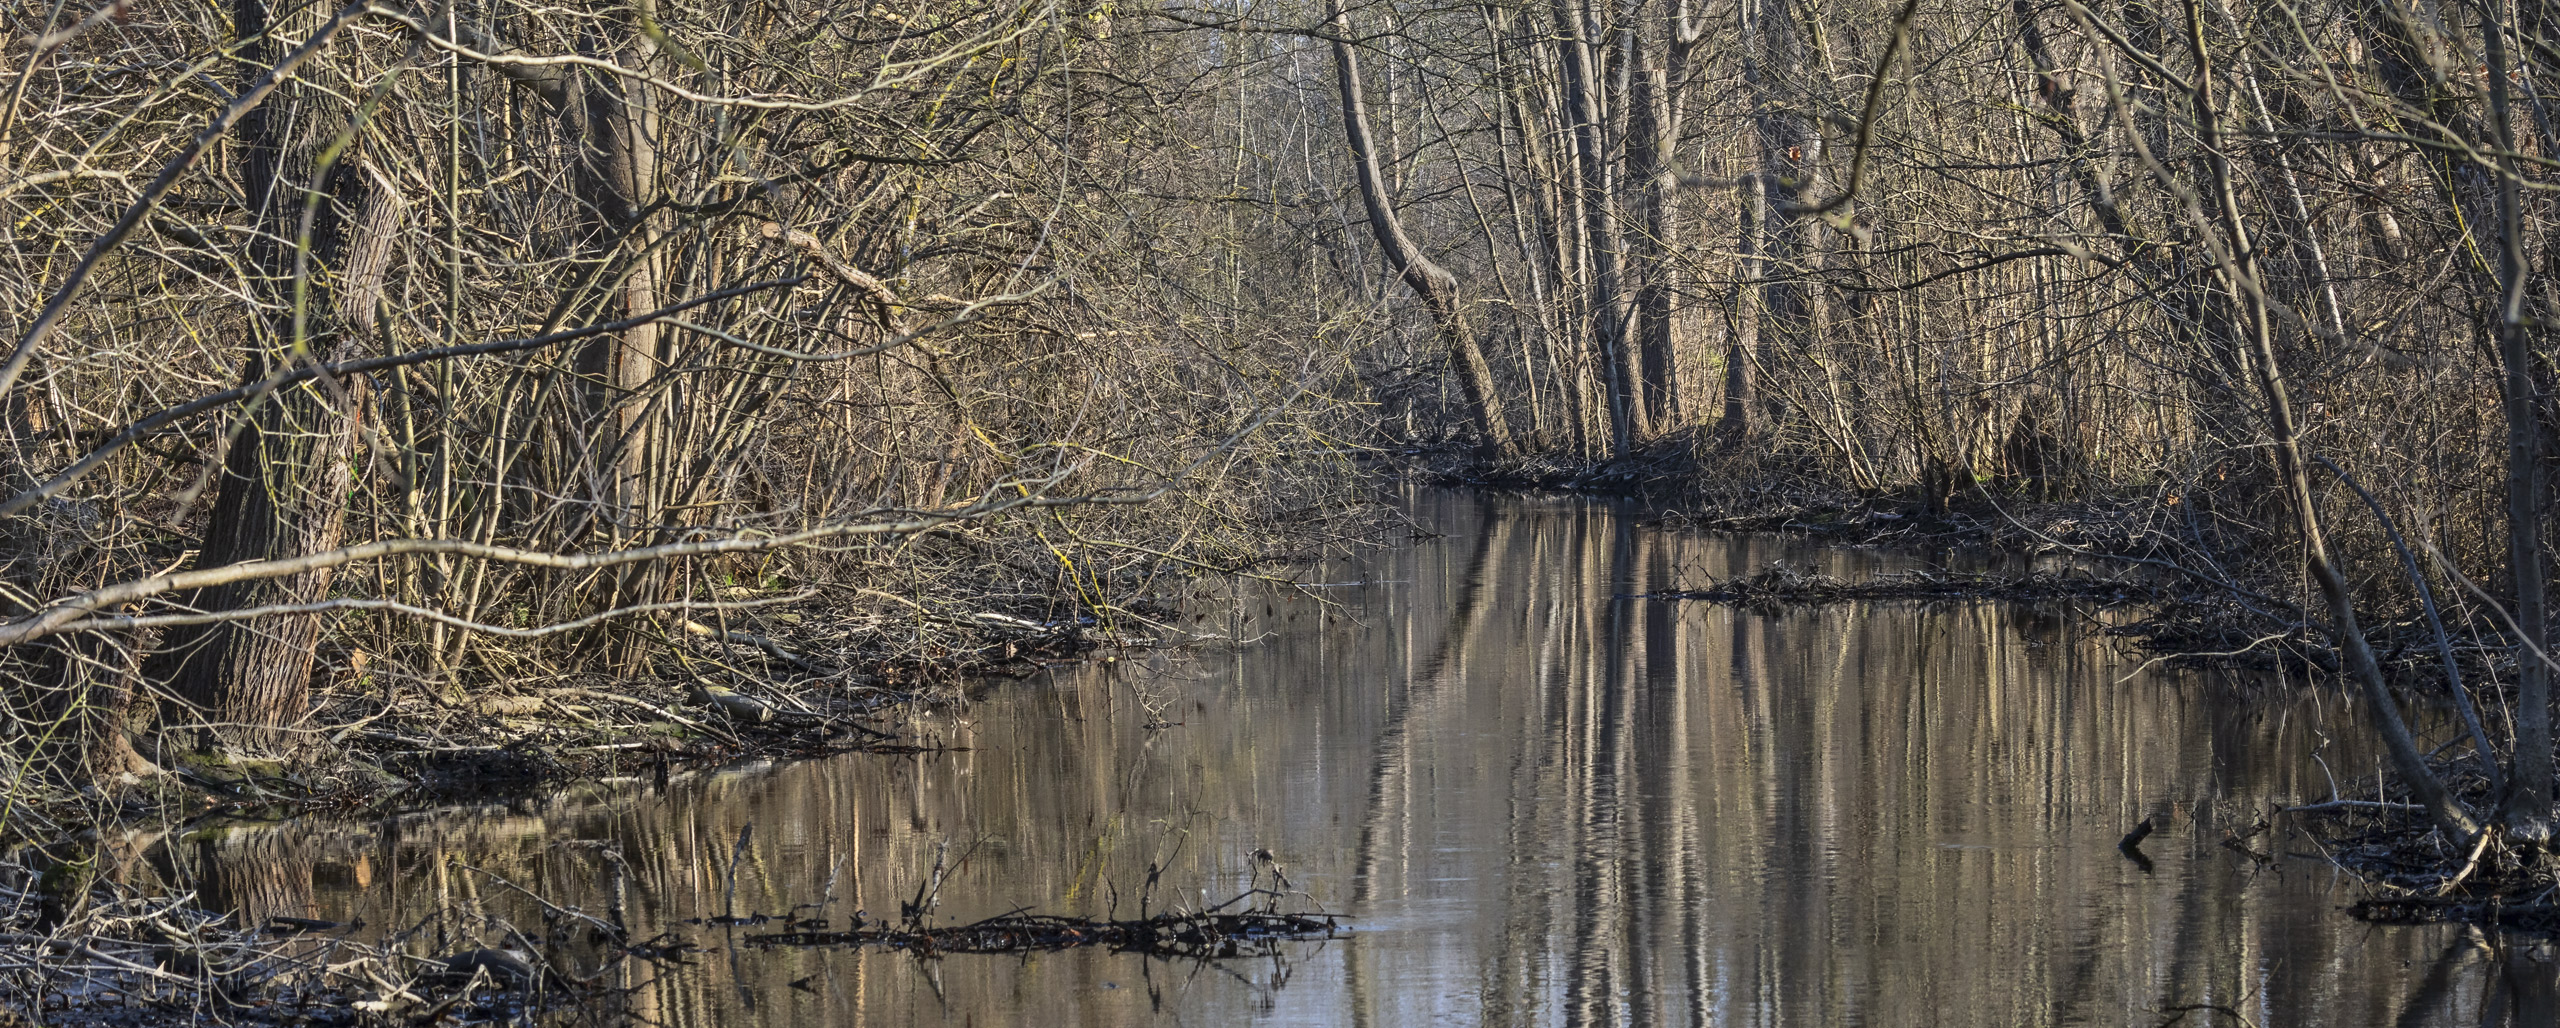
1437	287
1655	131
2238	266
1735	428
617	178
1612	316
286	478
1790	173
2526	811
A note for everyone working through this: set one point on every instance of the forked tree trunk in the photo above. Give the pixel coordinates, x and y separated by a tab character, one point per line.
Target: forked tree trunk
1437	287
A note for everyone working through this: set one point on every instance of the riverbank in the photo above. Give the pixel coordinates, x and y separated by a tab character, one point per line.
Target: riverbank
2212	554
768	685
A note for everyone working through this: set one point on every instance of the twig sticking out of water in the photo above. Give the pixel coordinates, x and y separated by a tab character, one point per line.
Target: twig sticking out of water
2131	845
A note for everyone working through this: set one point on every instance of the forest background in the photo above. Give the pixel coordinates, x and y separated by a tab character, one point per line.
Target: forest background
479	359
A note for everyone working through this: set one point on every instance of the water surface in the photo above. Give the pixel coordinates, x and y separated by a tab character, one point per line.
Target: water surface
1542	798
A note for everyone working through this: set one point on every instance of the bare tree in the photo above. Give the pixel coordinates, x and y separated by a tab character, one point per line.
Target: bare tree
1437	287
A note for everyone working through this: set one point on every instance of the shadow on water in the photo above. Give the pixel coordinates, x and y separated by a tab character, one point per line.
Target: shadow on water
1540	799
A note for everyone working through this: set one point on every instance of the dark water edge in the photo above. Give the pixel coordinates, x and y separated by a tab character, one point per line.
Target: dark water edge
1540	801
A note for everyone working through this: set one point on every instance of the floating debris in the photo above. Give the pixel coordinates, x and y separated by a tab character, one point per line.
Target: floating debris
1195	936
2488	912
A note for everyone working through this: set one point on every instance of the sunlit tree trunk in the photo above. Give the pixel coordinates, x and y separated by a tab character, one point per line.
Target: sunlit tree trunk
1612	311
284	484
1437	287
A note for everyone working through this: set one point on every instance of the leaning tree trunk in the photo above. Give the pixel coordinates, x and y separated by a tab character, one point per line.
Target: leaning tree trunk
1437	287
285	479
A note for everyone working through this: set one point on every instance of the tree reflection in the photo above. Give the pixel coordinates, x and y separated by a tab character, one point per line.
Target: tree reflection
1545	799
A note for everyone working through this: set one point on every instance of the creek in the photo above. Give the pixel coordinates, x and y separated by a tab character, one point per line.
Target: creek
1538	798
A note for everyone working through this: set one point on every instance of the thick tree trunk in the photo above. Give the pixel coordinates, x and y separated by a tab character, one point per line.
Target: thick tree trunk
617	178
285	480
1437	287
620	450
283	495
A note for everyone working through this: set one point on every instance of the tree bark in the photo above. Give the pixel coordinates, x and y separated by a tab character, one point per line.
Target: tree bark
285	480
1656	130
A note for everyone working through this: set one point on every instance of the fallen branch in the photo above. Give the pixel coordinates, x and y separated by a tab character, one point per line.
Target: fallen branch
1195	936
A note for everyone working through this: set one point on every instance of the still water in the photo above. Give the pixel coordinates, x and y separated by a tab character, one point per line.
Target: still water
1541	798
